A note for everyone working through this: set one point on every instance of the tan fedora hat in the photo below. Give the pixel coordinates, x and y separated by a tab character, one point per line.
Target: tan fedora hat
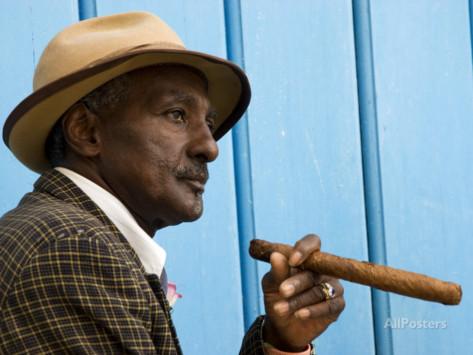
89	53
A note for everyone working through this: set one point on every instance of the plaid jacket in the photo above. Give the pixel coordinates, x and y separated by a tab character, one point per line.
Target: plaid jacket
71	283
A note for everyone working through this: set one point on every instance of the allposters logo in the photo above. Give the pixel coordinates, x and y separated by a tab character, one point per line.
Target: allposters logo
406	323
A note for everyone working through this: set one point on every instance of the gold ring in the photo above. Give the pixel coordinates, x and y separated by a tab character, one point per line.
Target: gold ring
328	290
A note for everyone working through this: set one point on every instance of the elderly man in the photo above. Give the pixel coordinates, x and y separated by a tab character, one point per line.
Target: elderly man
121	124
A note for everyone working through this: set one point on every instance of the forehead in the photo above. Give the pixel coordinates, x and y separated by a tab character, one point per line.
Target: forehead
168	84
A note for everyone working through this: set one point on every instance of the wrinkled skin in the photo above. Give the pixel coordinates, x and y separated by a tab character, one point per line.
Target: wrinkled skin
152	152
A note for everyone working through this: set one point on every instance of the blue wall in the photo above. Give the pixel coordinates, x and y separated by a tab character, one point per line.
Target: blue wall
359	130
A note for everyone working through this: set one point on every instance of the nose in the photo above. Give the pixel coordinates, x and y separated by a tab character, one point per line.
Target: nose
203	145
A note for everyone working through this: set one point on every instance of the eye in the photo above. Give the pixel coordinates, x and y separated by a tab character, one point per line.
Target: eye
211	123
176	115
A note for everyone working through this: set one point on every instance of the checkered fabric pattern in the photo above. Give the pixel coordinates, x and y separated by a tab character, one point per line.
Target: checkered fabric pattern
71	283
252	342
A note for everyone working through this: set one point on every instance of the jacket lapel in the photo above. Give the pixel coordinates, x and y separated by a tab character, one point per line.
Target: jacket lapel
155	285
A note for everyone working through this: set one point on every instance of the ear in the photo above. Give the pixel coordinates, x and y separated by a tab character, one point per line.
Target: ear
81	131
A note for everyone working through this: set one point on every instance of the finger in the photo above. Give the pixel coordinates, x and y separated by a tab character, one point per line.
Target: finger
312	296
331	308
280	269
301	281
303	248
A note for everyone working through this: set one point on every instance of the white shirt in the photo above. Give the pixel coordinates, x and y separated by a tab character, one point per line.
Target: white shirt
152	256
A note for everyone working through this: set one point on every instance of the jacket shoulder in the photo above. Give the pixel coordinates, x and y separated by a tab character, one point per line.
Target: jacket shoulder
38	220
40	217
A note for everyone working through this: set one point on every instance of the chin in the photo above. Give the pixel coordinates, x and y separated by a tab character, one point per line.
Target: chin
195	213
188	214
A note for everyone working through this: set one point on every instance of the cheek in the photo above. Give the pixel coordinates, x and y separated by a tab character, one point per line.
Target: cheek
154	172
135	150
145	160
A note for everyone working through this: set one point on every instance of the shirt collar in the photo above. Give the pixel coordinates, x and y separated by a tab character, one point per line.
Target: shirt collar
152	255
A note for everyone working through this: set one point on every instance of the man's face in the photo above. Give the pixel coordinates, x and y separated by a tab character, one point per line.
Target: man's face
155	146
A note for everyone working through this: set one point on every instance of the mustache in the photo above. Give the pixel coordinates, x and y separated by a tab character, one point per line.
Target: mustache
197	172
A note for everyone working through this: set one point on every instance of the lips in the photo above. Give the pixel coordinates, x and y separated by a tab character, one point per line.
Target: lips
198	186
194	176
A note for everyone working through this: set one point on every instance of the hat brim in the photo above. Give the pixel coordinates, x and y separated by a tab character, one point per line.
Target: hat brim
27	127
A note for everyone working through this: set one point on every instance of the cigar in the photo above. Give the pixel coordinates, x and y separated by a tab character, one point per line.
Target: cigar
378	276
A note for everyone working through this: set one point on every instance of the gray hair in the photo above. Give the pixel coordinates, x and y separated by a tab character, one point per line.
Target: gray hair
105	98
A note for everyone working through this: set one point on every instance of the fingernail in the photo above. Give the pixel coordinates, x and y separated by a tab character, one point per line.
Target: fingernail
303	313
281	307
288	290
295	258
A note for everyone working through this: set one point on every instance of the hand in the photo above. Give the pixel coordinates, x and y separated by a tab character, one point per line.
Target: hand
296	309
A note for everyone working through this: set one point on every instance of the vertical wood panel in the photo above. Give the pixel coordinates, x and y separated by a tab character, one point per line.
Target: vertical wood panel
424	94
371	167
202	256
242	165
25	28
87	9
305	146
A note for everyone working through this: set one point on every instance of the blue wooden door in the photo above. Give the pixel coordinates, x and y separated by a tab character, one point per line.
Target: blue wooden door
322	72
24	33
304	140
423	78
